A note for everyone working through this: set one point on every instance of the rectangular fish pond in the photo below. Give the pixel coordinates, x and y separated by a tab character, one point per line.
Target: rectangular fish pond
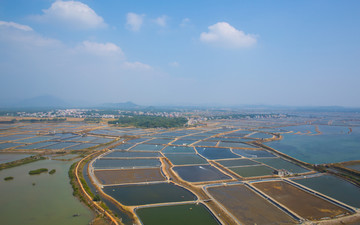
248	207
129	176
234	144
237	162
253	171
216	153
132	195
189	214
253	153
200	173
279	163
302	203
186	159
334	187
126	154
104	163
178	149
147	147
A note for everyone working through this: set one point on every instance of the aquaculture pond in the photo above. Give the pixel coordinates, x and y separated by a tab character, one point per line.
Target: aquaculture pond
38	145
40	199
126	154
334	187
189	214
125	163
207	143
36	139
138	140
216	153
184	142
126	176
302	203
15	137
147	147
253	171
123	146
279	163
159	141
329	147
60	145
81	146
234	145
9	157
248	207
8	145
200	173
186	159
149	193
237	162
178	149
253	153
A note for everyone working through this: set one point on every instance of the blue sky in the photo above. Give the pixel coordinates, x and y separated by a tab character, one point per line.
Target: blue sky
303	53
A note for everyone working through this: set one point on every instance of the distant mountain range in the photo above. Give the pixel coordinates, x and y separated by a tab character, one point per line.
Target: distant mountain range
121	105
52	102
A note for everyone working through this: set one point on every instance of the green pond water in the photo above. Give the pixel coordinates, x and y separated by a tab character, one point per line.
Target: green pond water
334	187
334	145
189	214
49	201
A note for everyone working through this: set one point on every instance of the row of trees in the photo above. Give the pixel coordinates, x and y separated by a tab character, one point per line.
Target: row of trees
150	121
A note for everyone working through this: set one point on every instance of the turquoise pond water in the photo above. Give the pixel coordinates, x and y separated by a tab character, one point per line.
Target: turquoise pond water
336	144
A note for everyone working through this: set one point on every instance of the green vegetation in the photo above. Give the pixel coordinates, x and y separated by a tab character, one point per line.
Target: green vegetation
96	198
75	185
21	162
150	121
92	120
38	171
52	171
9	178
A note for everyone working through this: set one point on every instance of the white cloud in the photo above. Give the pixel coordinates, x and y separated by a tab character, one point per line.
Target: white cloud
136	66
100	48
134	21
73	14
174	64
185	22
15	25
225	35
161	21
24	36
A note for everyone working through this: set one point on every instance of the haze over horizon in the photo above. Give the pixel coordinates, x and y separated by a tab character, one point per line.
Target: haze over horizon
302	53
